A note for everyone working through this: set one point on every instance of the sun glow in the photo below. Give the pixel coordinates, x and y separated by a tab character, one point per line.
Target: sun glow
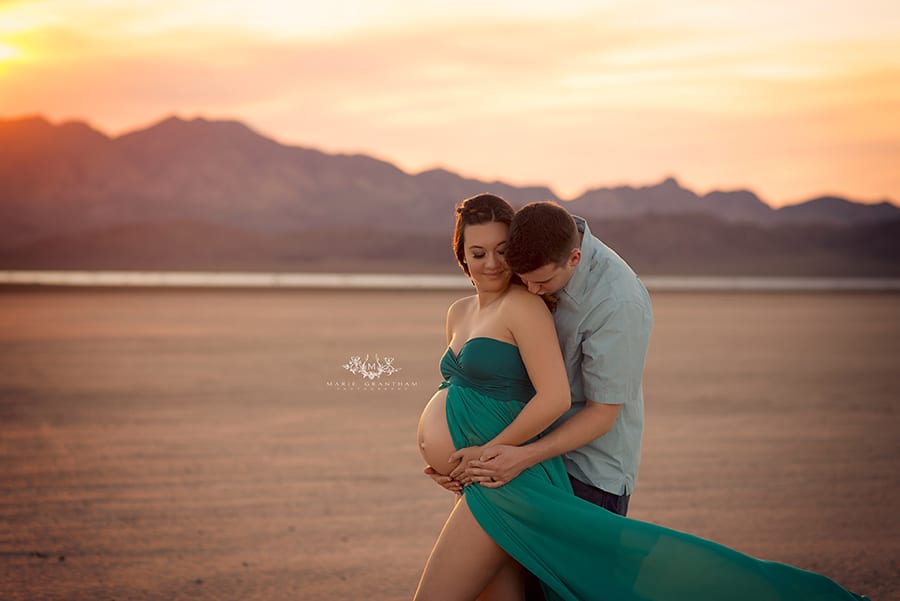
10	55
8	52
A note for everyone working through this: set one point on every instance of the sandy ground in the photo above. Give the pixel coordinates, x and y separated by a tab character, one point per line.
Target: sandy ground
209	445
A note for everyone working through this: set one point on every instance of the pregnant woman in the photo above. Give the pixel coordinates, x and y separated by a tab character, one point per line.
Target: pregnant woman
504	383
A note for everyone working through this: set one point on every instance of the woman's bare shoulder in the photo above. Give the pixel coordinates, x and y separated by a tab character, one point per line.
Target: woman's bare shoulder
519	299
522	308
463	302
460	305
456	314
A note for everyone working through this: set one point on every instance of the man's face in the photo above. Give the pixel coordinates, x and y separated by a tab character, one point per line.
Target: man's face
551	278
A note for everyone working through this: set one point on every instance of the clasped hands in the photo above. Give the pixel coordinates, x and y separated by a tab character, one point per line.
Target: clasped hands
491	467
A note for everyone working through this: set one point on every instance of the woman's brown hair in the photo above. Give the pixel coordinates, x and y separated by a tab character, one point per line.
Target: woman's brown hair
475	210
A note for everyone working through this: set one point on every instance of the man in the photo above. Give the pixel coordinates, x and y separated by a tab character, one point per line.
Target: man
603	320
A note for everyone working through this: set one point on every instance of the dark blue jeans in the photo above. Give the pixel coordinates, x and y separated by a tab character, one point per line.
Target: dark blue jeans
614	503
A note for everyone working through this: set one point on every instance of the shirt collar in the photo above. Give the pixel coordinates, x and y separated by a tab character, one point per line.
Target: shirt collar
574	289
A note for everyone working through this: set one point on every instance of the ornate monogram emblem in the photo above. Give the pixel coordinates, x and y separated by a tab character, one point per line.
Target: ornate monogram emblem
382	366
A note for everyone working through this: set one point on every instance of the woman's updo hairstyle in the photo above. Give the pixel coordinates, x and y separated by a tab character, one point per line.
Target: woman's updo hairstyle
475	210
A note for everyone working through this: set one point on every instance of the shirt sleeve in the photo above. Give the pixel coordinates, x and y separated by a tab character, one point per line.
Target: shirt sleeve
614	348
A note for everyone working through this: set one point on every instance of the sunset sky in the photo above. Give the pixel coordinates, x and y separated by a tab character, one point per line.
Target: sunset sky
791	99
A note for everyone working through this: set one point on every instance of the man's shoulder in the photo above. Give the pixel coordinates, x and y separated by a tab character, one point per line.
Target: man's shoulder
613	287
611	278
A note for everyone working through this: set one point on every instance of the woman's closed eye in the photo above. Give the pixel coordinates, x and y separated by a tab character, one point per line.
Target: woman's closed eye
482	255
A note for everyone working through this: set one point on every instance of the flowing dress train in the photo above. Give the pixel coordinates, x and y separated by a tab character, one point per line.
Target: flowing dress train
579	551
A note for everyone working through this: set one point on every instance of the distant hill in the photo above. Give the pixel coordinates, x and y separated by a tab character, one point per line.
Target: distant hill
669	198
216	195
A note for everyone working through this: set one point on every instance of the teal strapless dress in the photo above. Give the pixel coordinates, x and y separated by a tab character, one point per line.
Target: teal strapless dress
578	550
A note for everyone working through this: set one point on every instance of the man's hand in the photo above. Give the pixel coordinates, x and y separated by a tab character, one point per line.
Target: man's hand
463	456
454	486
498	465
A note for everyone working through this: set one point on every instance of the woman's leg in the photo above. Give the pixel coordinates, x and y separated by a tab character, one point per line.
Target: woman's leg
507	585
463	562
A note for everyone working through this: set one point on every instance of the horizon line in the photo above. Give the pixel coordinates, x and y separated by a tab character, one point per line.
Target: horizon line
417	281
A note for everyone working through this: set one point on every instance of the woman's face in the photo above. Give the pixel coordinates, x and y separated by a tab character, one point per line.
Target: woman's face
484	247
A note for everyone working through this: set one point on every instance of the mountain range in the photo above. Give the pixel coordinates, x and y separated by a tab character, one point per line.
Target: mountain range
215	195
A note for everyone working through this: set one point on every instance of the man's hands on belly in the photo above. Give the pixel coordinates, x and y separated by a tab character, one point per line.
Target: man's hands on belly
498	465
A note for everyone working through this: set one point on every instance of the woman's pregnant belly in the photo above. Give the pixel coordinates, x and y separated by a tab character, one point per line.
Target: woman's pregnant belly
435	442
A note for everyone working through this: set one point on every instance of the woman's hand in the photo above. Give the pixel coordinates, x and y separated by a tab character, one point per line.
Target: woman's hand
445	481
463	456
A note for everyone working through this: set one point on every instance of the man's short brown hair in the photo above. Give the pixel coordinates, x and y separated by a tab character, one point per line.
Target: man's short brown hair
540	233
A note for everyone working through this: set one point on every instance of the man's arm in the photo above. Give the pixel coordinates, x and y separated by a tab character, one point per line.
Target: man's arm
588	424
505	462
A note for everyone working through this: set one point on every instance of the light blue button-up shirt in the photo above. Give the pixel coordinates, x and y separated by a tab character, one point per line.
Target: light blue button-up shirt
603	320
